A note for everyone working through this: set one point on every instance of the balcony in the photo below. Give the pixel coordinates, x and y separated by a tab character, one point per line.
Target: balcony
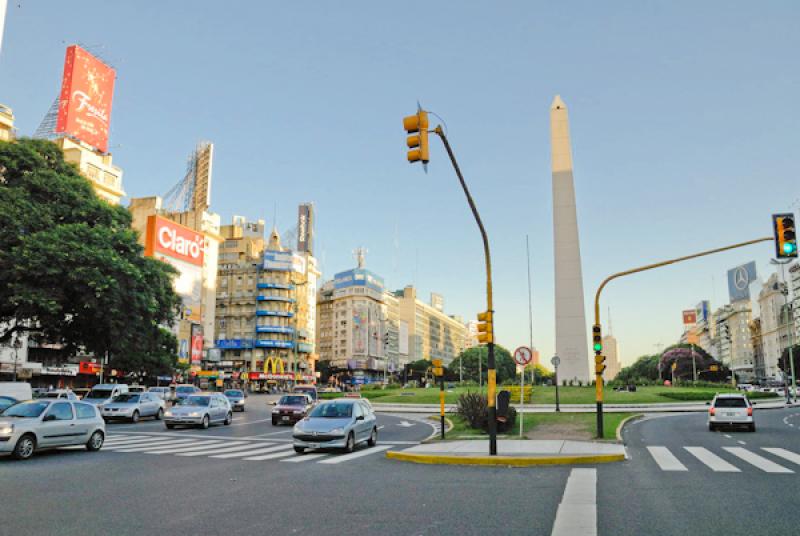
274	329
285	314
275	285
275	298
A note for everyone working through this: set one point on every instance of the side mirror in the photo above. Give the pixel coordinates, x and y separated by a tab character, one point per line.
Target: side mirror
708	403
49	417
360	418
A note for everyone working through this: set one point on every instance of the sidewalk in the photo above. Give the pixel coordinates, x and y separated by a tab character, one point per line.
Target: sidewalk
512	453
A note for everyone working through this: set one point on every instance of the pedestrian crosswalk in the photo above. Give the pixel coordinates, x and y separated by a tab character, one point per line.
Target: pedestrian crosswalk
249	450
725	460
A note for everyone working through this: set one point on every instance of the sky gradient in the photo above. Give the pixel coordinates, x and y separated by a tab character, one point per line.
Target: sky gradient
683	119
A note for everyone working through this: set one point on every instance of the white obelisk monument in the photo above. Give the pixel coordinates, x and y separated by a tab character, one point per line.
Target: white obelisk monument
571	327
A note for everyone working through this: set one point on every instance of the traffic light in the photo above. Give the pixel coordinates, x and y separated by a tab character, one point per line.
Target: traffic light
785	237
485	329
417	126
438	370
597	345
599	364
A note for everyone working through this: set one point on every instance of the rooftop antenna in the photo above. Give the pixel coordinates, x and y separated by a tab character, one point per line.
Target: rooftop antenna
359	254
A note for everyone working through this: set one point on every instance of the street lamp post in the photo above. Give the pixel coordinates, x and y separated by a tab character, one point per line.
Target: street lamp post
790	321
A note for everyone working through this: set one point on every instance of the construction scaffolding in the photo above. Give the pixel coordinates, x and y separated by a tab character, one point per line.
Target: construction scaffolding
193	192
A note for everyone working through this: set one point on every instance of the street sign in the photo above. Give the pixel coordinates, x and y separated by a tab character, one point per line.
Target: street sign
523	355
556	361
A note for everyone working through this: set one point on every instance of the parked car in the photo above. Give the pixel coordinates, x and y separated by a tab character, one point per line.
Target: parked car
6	402
184	390
16	390
291	408
236	398
200	410
37	392
102	393
60	393
137	388
341	423
133	406
731	409
81	392
165	393
310	390
34	425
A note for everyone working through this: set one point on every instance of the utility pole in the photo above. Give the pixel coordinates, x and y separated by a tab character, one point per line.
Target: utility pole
790	321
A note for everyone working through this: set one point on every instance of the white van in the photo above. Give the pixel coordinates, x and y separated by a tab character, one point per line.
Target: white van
16	390
103	393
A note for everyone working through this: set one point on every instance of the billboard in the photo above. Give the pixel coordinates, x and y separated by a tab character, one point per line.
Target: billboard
284	261
689	317
305	228
739	280
197	344
84	106
358	277
360	323
183	249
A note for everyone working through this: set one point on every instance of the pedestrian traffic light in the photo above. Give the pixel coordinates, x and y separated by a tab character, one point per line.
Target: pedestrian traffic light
785	236
417	125
599	364
485	328
597	339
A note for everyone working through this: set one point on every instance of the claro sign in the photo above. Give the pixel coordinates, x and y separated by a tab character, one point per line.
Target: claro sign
173	240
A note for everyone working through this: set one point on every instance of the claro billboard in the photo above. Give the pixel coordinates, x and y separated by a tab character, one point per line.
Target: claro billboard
182	248
84	107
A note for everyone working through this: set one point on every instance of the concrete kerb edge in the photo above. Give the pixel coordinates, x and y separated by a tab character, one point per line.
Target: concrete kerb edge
505	461
625	421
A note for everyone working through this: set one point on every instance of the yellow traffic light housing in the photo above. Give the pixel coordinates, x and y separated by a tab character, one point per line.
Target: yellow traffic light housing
597	339
417	125
485	327
785	235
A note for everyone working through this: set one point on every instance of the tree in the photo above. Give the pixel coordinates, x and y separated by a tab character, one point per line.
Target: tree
784	363
541	374
471	359
686	358
157	356
71	269
643	369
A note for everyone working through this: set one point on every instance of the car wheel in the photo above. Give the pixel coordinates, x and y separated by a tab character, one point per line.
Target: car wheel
205	423
752	427
170	426
95	442
300	450
373	438
351	443
274	422
25	447
135	416
228	418
160	414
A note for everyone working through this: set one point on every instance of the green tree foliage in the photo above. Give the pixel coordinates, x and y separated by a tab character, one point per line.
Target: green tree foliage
71	269
542	375
470	359
784	362
643	369
686	358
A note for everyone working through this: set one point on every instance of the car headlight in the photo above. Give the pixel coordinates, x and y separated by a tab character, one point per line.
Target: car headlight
168	413
337	431
275	411
194	414
7	429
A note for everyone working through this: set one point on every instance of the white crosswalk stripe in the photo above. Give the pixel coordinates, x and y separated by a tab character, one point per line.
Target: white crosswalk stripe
117	439
758	461
247	453
306	458
717	464
132	441
230	447
785	454
152	446
347	457
665	459
273	456
198	445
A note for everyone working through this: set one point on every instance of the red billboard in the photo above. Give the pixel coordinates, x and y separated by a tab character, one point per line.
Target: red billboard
173	240
84	107
689	317
197	344
85	367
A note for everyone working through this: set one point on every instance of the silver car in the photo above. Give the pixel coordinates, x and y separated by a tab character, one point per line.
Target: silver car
133	406
200	410
40	424
165	393
731	409
341	423
60	393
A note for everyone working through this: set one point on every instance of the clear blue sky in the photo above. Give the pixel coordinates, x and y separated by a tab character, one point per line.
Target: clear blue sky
684	119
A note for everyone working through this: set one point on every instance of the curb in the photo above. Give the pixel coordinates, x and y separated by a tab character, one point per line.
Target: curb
506	461
624	422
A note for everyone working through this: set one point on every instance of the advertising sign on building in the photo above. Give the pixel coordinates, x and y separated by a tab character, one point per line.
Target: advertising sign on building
305	228
739	280
183	249
360	324
84	106
197	344
689	317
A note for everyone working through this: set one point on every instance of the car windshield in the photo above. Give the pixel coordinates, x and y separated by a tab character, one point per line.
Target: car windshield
185	389
333	411
26	409
730	403
99	393
233	393
6	401
127	398
195	401
293	400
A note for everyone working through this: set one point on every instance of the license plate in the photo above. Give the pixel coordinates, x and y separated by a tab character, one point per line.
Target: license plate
313	445
284	418
730	415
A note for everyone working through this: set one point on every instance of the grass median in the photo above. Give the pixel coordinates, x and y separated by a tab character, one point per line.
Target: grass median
578	426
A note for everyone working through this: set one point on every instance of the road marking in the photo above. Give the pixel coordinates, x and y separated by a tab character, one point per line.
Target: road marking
726	435
234	446
381	427
306	457
272	456
348	457
198	445
577	512
124	437
249	452
405	424
785	454
760	462
151	446
741	442
665	459
133	441
713	461
250	422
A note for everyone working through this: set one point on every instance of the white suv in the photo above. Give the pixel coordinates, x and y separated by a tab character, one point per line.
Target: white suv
731	409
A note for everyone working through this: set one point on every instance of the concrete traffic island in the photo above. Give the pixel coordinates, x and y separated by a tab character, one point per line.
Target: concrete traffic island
512	453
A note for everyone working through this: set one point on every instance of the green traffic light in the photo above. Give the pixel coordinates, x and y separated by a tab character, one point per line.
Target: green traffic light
598	347
789	248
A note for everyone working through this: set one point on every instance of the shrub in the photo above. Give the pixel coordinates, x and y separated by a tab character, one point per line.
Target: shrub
473	408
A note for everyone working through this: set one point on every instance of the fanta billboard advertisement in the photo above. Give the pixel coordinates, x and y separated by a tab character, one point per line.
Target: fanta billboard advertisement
84	106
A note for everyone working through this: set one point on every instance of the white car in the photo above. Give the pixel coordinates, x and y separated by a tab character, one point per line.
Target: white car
731	409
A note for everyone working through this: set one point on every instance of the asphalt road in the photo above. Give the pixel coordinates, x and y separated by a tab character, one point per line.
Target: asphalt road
209	482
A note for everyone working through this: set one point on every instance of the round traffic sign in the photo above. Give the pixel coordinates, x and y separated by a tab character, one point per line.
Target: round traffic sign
556	361
523	355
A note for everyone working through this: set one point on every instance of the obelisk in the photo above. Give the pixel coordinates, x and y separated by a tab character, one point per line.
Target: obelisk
571	327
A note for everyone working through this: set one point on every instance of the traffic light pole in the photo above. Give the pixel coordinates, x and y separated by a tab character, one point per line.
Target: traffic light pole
607	280
490	366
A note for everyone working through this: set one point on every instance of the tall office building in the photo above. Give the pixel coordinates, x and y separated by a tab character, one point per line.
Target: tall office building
571	327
